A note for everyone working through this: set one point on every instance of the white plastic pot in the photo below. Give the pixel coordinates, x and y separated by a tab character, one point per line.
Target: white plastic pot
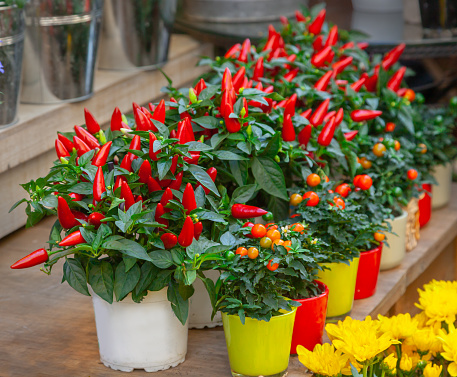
145	336
381	6
442	192
200	305
393	255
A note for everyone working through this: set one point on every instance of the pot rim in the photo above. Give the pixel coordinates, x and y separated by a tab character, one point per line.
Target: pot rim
274	318
374	250
315	298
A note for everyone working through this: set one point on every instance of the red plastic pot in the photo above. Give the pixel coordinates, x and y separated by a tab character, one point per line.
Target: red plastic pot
368	272
310	320
425	206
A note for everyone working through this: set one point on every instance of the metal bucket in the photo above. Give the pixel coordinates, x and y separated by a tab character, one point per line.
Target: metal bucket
136	33
238	11
60	50
12	28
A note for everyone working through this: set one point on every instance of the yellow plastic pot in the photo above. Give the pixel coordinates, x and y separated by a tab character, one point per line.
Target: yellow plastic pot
259	348
340	280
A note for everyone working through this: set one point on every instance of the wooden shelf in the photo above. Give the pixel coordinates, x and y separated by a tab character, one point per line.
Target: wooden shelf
27	148
48	329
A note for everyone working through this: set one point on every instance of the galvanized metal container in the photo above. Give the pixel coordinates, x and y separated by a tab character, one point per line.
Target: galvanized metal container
238	11
12	28
60	50
136	33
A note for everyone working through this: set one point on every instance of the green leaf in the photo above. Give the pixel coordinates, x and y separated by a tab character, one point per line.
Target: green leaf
178	304
49	201
75	275
207	122
127	247
129	262
196	146
148	274
269	177
125	282
163	166
228	239
202	176
244	193
227	155
83	188
101	277
161	258
273	146
17	204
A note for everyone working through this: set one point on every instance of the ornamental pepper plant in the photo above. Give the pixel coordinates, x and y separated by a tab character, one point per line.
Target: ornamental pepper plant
136	212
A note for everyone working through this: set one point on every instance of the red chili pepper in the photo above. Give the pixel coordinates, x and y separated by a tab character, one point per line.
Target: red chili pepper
73	239
232	124
142	121
239	78
371	82
340	65
119	181
159	115
245	51
61	150
290	58
166	197
347	45
284	20
258	69
318	43
332	37
246	111
135	107
176	184
233	51
158	215
75	197
289	76
102	155
126	162
288	129
127	195
145	171
67	143
329	115
198	229
81	146
135	145
271	42
125	126
305	134
339	116
85	136
169	240
95	219
185	131
188	199
33	259
99	185
200	87
361	115
318	116
212	172
290	105
395	81
174	164
299	16
350	135
66	217
392	56
316	26
323	82
186	236
92	125
116	120
326	135
306	113
319	58
139	198
152	154
153	185
356	86
243	211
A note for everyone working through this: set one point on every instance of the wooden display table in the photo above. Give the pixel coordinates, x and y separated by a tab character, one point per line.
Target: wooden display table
48	329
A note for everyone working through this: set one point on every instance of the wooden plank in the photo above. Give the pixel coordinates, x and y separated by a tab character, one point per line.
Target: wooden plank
35	133
48	329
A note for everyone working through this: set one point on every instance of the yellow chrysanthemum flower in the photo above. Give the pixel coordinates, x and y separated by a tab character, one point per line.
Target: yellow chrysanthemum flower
406	363
432	370
449	342
323	360
421	319
400	326
391	363
439	301
349	325
425	341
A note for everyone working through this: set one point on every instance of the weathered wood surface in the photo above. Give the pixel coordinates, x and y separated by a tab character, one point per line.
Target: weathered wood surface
27	148
48	330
